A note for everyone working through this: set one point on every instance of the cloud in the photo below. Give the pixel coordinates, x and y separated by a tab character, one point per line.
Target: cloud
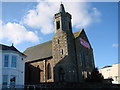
17	33
83	14
0	22
41	17
114	45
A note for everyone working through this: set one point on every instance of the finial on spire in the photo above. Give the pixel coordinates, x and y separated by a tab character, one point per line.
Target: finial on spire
62	10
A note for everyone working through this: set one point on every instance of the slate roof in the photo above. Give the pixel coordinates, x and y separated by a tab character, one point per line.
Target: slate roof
39	51
42	51
12	48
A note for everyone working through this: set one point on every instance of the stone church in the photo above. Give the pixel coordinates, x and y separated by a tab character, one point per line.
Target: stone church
68	57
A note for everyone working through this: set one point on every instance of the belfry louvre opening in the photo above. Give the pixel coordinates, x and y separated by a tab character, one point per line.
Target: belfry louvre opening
58	24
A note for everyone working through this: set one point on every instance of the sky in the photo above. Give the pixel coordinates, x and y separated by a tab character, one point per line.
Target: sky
26	24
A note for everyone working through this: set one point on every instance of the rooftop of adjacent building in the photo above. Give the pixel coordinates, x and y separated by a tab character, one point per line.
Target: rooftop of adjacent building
108	66
10	48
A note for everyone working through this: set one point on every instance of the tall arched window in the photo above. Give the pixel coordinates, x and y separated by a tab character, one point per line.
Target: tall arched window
49	76
28	74
61	74
38	74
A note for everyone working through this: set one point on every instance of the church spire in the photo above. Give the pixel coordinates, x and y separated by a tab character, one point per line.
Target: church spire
62	20
62	10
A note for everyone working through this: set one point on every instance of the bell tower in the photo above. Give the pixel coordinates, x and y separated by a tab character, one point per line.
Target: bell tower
62	20
63	39
63	47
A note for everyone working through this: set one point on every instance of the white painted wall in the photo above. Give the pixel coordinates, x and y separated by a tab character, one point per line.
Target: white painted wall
112	72
18	71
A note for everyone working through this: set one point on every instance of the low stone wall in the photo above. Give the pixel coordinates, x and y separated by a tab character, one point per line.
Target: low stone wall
75	86
93	86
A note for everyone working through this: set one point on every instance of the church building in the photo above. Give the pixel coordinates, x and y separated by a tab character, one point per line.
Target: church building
68	57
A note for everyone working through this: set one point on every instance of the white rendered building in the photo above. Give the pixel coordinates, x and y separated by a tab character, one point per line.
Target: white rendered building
12	66
111	72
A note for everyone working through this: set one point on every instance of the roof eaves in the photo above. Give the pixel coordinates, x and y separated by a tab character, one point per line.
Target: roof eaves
46	58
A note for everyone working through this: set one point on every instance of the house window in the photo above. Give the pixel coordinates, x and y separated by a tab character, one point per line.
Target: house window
58	24
49	76
5	79
14	61
6	60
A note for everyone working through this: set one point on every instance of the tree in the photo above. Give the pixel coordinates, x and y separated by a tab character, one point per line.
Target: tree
95	76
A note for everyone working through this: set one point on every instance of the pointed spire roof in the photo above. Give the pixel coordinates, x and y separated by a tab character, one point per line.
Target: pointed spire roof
62	10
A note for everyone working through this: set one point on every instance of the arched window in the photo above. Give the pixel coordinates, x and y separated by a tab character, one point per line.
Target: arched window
61	75
38	74
28	74
49	76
